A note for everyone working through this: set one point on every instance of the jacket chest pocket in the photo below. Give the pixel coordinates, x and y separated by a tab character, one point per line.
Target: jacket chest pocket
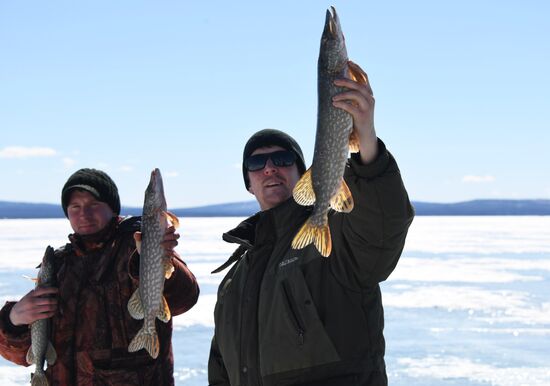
292	336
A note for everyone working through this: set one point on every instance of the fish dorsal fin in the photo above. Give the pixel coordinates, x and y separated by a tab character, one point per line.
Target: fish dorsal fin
135	307
51	355
30	356
342	201
164	311
172	219
303	191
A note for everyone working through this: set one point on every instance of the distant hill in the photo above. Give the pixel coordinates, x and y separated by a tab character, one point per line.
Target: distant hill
240	209
485	208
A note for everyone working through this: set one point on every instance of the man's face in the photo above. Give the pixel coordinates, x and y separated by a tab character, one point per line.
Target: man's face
273	184
86	214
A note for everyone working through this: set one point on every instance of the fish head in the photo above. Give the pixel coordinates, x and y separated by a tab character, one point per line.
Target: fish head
46	274
154	194
333	56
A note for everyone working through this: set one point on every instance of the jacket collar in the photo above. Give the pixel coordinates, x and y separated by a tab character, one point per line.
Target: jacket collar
287	215
97	251
84	244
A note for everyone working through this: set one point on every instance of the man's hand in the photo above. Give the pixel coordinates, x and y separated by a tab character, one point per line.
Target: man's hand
358	101
37	304
169	242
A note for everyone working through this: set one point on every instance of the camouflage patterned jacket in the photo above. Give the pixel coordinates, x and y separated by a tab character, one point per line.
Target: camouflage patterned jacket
92	328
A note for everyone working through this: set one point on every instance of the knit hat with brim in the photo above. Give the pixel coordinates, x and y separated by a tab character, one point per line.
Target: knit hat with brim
272	137
95	182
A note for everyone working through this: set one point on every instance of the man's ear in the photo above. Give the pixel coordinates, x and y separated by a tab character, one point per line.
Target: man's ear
250	190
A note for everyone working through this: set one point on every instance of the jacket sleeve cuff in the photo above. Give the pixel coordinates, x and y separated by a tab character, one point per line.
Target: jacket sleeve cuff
372	169
7	325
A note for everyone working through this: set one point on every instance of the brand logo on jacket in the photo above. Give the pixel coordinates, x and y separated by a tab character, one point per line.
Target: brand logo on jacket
288	261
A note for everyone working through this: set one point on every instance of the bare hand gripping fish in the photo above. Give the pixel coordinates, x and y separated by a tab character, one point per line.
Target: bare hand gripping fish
147	302
322	185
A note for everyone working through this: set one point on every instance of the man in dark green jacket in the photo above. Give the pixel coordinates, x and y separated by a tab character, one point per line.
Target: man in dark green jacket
293	317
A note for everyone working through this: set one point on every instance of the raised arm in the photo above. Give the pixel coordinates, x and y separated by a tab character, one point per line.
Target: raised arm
373	234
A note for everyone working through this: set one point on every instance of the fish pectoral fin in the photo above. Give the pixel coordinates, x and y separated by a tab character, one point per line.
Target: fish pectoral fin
172	219
356	73
318	235
147	339
51	355
30	356
354	141
342	201
168	268
164	311
303	191
135	306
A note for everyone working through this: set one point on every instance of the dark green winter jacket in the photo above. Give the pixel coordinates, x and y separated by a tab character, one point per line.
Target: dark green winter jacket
293	317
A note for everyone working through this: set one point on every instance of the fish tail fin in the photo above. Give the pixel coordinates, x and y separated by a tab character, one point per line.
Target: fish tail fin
148	339
30	356
135	306
303	191
39	379
164	311
342	201
51	355
319	235
168	268
172	219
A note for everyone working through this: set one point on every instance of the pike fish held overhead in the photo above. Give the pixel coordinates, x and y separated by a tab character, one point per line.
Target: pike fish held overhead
41	349
322	185
148	302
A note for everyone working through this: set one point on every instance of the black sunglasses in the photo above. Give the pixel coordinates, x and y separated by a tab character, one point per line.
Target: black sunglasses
281	158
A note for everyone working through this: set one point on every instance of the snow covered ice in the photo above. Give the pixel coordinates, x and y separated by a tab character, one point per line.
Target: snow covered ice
468	304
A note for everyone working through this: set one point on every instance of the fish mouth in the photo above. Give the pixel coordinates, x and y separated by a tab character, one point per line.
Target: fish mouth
332	23
155	183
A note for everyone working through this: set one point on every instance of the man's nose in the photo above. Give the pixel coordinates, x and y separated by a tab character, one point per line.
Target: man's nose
270	168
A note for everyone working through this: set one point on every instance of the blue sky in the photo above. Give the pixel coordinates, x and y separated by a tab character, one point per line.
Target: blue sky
462	92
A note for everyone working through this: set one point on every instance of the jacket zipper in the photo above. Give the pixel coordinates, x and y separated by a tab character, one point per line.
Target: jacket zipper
297	320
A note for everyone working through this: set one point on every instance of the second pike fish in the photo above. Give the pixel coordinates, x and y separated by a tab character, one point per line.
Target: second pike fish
41	349
323	185
147	302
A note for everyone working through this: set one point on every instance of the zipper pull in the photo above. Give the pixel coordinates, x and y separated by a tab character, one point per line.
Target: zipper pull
301	337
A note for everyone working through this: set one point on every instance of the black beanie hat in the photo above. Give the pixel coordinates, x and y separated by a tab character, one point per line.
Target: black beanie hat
95	182
272	137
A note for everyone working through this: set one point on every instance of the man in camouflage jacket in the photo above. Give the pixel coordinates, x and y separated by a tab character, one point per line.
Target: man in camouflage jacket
97	272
